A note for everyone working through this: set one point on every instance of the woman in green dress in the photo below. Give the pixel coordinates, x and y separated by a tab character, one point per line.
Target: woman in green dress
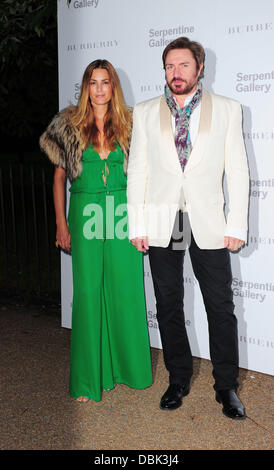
89	143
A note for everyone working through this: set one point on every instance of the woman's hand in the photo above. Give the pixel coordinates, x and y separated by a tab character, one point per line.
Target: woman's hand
63	236
62	232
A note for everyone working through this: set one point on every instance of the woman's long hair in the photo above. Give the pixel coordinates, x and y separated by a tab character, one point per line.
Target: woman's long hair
118	118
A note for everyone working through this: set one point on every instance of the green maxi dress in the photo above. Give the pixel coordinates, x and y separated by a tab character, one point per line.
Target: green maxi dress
109	335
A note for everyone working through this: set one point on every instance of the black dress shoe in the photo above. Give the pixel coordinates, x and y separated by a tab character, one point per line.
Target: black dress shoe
232	405
172	398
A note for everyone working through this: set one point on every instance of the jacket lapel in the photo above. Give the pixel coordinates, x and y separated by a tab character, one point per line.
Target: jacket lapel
168	145
200	143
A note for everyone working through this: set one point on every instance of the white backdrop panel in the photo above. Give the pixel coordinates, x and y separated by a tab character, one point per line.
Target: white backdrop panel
238	39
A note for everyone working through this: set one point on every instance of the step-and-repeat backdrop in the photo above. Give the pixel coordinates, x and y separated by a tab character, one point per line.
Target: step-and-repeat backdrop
238	38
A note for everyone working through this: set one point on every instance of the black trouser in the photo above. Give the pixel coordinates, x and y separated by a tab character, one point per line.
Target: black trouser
213	271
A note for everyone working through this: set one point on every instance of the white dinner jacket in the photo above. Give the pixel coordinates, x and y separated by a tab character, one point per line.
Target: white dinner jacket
157	187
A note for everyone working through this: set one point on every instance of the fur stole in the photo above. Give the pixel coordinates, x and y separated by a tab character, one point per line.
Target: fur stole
62	143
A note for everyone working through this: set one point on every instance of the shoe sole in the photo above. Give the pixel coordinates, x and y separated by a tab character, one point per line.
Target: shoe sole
239	418
171	409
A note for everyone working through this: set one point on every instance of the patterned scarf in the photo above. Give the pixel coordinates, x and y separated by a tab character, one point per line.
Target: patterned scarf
182	118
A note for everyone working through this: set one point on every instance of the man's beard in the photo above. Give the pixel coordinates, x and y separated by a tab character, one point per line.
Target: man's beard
185	91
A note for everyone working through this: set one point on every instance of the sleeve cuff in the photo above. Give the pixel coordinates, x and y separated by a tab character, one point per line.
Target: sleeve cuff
137	232
239	233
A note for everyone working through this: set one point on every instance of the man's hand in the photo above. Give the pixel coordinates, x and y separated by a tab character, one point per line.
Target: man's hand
233	244
140	243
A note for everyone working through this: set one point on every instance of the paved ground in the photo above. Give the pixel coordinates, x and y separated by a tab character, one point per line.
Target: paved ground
37	412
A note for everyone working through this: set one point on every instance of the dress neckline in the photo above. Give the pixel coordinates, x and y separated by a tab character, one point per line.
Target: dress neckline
101	157
111	151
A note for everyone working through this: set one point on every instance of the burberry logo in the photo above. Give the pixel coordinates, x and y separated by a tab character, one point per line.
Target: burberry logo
250	28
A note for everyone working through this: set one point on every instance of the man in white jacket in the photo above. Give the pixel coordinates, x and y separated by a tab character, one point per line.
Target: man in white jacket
182	144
